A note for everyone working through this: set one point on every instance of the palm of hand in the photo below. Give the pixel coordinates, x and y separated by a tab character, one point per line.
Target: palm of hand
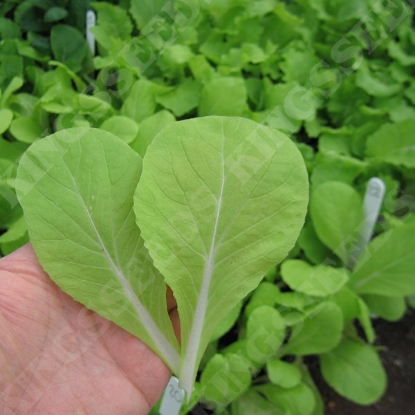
57	357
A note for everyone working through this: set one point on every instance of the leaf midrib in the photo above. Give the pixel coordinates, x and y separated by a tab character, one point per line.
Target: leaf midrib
201	307
161	342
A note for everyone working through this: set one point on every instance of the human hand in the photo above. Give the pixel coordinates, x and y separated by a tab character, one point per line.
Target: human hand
58	357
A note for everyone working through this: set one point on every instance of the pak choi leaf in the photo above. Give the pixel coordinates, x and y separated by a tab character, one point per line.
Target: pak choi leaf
283	374
223	96
6	117
220	201
113	21
320	281
68	46
388	308
149	128
265	333
387	265
141	101
253	403
224	379
337	214
299	400
76	188
320	332
394	144
123	127
146	12
354	371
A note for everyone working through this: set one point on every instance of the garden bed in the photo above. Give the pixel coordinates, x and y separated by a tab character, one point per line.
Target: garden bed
289	100
397	340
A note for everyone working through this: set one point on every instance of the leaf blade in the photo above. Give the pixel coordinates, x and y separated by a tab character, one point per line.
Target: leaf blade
203	231
355	371
386	266
78	206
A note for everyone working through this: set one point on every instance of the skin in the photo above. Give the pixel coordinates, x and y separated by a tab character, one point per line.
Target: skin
57	357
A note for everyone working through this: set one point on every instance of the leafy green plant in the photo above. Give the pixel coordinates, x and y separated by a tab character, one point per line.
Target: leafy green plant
192	174
48	25
336	77
34	89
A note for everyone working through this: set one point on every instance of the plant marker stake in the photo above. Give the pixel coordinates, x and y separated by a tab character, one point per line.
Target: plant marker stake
372	203
172	398
90	38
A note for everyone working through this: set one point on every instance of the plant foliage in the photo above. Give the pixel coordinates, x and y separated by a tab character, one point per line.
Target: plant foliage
239	76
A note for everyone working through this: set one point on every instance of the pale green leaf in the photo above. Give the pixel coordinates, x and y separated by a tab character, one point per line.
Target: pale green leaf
265	333
337	214
145	12
26	129
88	104
121	126
387	266
336	141
221	201
394	143
298	62
201	69
182	99
223	96
389	308
224	379
319	333
15	84
141	101
16	231
290	299
79	83
114	22
299	400
354	371
56	108
365	320
76	188
149	128
319	281
239	348
336	167
265	294
283	374
374	84
252	403
70	120
177	54
6	117
226	324
313	248
348	302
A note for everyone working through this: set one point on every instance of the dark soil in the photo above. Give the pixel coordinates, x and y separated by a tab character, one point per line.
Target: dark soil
397	343
398	357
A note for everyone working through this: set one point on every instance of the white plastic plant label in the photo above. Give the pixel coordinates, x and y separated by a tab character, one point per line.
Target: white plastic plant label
372	204
371	207
90	38
172	398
